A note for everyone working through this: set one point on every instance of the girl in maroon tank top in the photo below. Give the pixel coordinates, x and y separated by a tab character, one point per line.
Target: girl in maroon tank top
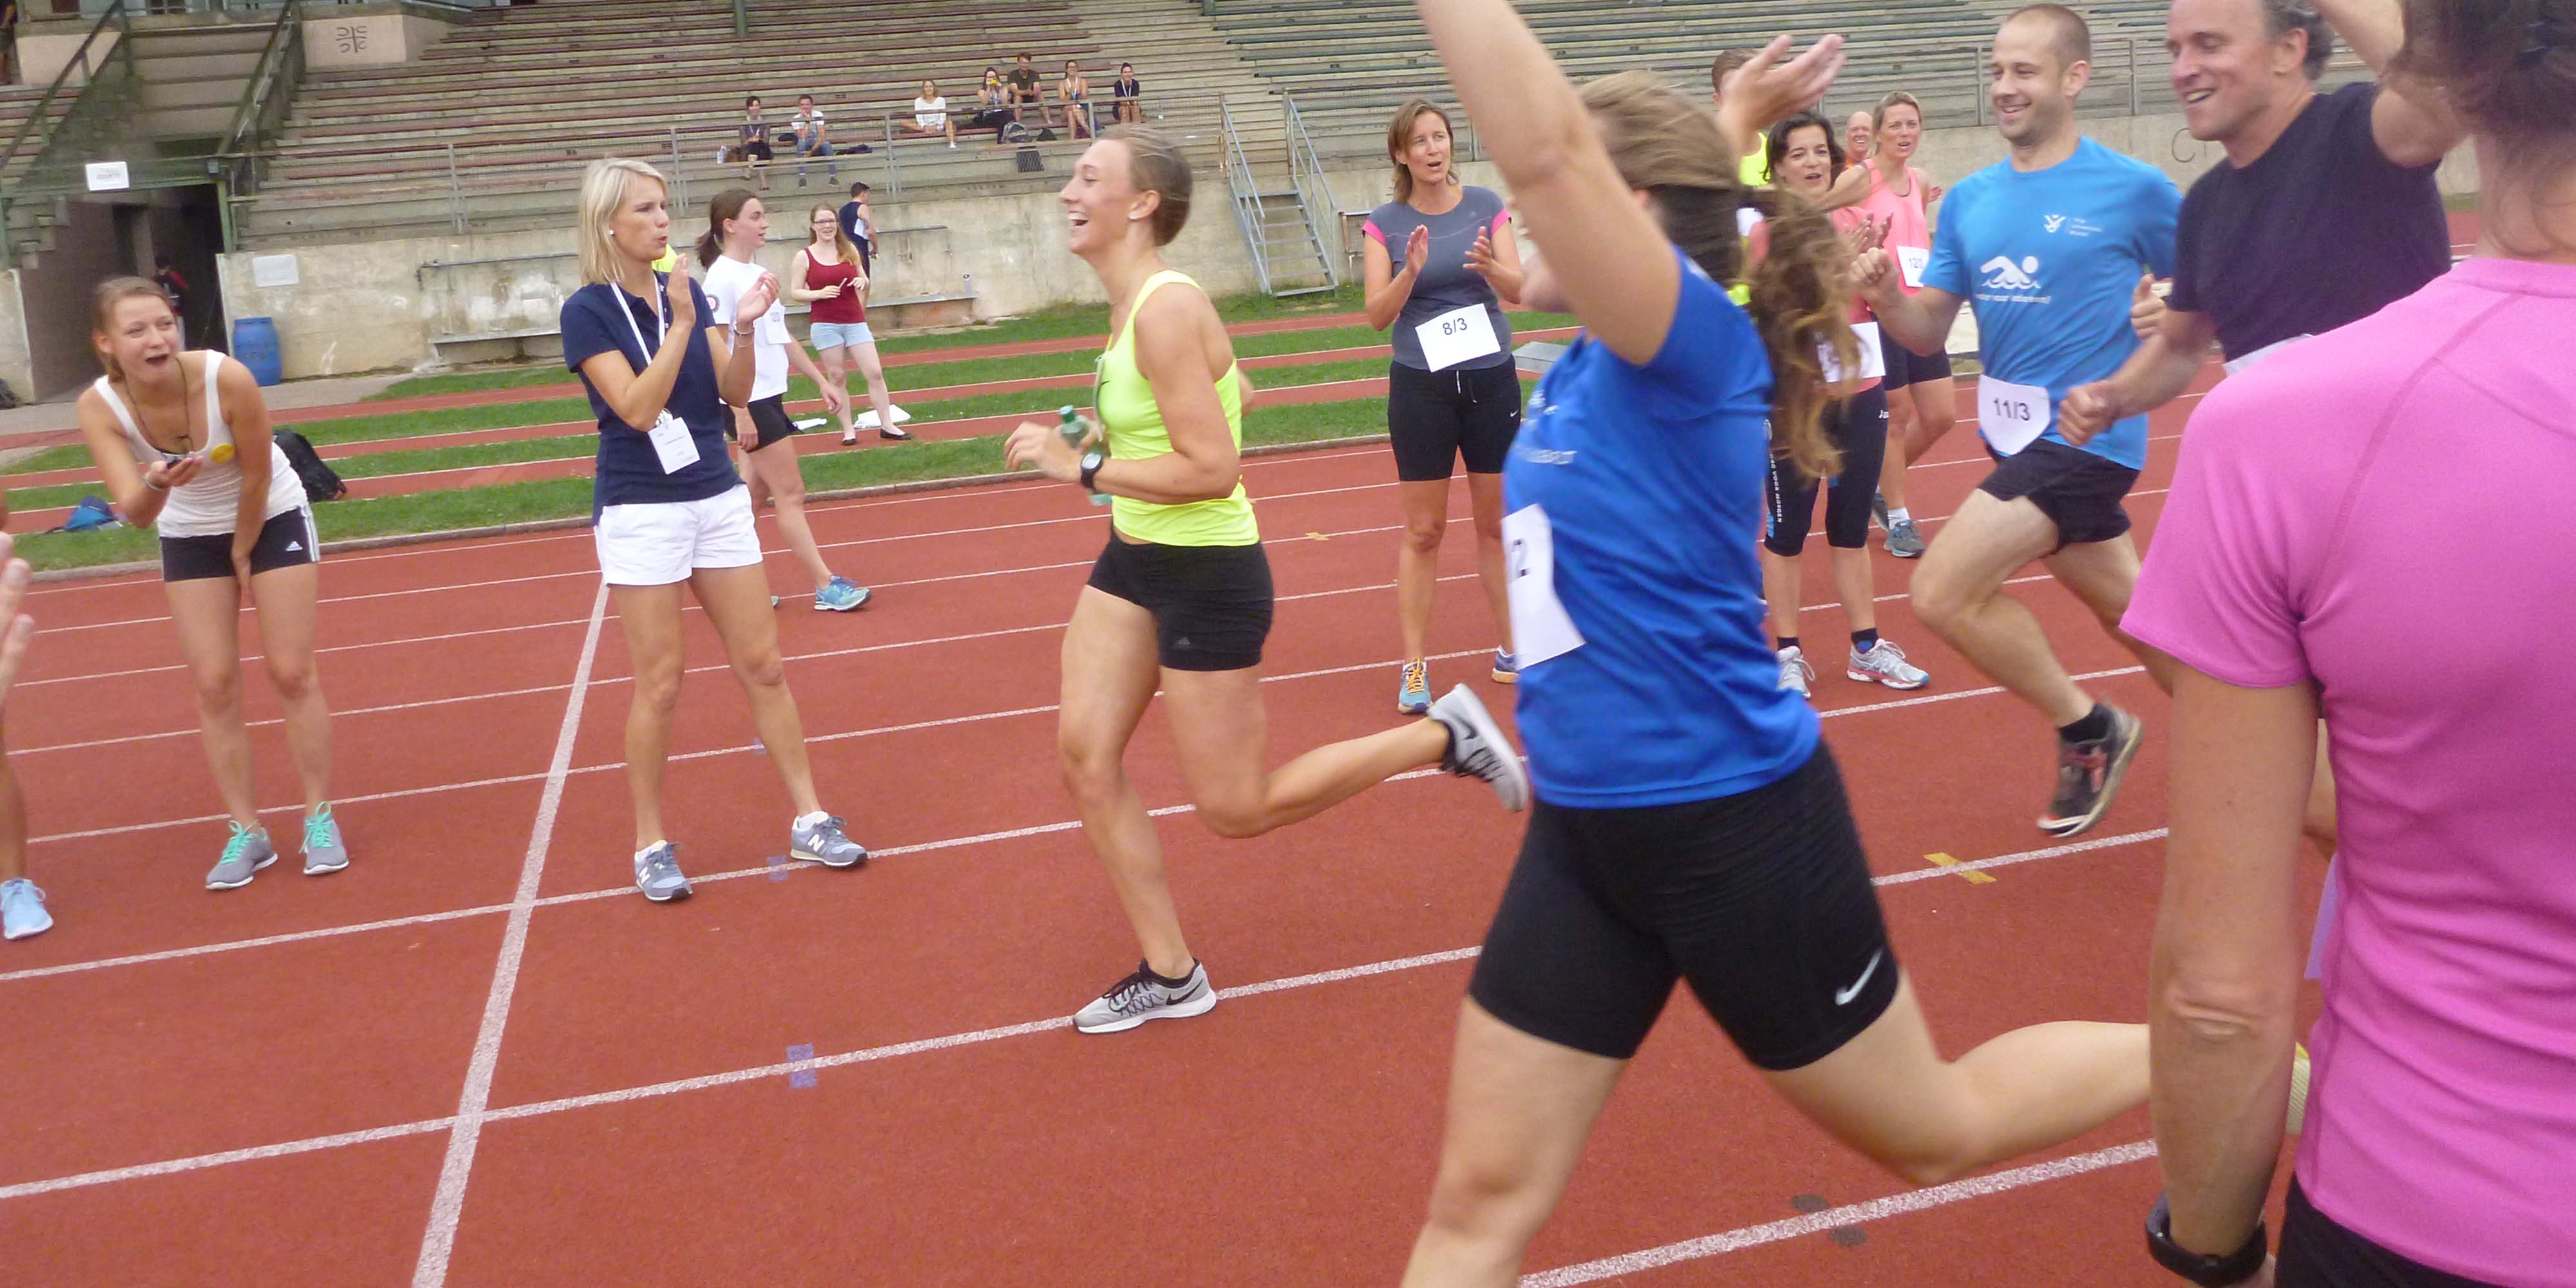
827	275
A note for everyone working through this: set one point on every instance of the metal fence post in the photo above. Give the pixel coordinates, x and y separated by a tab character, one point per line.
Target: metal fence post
1977	78
455	193
894	161
679	177
2133	75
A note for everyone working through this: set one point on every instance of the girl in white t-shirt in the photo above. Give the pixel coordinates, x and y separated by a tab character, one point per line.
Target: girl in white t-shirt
737	227
930	116
182	442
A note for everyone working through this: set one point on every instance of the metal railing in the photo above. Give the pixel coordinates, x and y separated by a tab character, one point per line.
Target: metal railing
1248	213
98	121
266	99
1314	190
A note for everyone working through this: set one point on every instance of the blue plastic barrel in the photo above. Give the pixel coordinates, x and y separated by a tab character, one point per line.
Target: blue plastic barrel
255	347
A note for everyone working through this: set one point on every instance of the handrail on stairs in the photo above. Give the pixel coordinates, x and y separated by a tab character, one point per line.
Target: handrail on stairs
80	61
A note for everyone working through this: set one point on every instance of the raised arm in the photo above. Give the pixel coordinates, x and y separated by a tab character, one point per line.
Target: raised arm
638	398
1384	290
1171	330
2412	123
2153	376
1921	321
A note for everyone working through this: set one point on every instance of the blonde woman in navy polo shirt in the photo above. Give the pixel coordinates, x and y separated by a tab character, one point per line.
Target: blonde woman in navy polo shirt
671	511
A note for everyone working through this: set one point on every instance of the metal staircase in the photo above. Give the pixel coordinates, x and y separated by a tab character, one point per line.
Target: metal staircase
1278	218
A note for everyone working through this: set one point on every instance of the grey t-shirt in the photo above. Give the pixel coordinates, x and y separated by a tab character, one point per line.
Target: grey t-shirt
1446	283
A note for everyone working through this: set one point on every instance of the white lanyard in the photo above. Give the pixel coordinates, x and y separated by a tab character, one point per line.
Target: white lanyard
660	328
672	444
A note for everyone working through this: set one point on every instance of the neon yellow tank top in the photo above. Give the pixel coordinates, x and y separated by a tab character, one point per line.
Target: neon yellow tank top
1133	423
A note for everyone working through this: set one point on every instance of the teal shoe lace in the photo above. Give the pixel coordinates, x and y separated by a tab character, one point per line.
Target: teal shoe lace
319	831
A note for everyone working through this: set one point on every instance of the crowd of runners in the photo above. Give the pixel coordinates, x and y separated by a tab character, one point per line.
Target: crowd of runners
2348	589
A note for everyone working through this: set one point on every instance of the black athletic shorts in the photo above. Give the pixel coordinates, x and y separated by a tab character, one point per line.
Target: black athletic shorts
1906	367
1762	900
769	419
287	539
1211	604
2317	1253
1858	427
1435	417
2078	491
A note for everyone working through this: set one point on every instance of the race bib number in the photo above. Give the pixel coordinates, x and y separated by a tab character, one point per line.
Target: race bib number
1459	335
1540	627
1912	260
672	443
2011	416
1873	360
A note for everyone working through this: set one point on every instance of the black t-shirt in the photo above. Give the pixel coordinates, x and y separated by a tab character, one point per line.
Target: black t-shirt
858	234
2321	231
1025	80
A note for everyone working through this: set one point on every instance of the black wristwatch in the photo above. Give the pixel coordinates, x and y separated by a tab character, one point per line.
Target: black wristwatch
2209	1272
1091	463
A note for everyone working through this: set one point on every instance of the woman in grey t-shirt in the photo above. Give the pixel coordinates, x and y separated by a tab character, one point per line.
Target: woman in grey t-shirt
1440	261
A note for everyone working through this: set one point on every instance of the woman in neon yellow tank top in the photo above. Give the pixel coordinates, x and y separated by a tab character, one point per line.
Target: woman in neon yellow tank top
1181	597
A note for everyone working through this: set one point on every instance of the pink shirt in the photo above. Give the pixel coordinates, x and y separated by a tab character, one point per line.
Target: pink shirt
1908	227
2384	511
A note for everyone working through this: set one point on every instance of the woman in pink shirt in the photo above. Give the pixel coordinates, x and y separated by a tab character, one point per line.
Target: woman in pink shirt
1920	404
2351	532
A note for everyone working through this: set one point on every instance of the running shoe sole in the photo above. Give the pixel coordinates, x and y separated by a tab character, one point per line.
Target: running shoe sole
853	606
811	857
236	885
313	869
1873	677
673	896
2137	733
1200	1005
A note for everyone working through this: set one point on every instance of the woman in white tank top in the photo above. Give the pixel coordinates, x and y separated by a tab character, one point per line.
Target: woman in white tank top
182	442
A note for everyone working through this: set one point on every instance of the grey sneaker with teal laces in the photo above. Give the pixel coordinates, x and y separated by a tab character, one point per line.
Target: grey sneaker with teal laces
324	851
246	853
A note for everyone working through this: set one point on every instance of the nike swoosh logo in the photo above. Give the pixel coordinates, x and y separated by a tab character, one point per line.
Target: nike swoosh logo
1843	997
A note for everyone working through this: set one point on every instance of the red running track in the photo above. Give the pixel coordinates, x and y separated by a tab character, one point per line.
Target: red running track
264	1086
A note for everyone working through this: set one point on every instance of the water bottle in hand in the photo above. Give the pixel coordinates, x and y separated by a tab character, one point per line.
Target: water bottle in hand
1077	430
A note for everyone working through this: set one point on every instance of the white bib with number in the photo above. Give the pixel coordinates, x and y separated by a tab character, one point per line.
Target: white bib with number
2012	416
1540	627
1459	335
1873	360
1912	260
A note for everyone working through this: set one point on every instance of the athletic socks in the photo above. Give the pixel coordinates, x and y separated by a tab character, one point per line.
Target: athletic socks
804	821
1787	642
2095	726
1864	641
1899	515
1171	981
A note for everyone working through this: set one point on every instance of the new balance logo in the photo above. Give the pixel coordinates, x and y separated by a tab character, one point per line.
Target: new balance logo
2002	274
2052	222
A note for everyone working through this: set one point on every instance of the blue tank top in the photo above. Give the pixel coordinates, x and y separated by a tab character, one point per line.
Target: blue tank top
1647	486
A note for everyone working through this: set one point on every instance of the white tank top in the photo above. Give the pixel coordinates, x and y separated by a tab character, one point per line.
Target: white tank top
207	505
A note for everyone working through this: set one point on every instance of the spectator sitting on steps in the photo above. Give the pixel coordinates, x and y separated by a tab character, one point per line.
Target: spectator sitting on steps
753	152
1025	93
930	115
1122	95
813	137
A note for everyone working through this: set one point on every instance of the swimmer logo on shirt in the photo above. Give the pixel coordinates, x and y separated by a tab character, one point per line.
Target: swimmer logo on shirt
2007	282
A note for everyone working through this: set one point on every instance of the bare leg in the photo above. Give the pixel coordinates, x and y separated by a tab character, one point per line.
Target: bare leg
737	604
2103	574
1417	560
1520	1108
1781	590
286	599
1220	730
873	371
1888	1093
1856	587
835	365
775	466
650	618
1109	674
1936	413
207	612
1485	501
1959	593
1891	466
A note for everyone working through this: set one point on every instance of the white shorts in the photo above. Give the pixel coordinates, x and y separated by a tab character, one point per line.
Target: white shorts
834	335
660	543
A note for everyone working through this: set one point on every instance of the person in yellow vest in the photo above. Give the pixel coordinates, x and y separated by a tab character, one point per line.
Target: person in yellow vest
1181	598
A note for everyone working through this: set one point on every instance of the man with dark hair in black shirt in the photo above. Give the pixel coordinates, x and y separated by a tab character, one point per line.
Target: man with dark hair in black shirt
2323	212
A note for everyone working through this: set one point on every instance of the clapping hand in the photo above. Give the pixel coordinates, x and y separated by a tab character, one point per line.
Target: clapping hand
684	301
1480	258
1416	247
1866	236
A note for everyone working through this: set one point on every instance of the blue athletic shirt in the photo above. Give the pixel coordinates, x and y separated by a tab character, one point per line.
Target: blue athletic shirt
2050	259
1651	478
629	472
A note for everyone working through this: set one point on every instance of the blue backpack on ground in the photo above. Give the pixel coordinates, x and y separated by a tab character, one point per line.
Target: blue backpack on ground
90	513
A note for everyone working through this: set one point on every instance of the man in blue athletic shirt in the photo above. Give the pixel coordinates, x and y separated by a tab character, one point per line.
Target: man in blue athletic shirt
2050	244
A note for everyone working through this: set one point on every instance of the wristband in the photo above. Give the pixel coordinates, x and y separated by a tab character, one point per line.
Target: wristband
2209	1272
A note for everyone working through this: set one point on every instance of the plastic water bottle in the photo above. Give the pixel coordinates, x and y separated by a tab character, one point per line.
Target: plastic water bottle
1076	427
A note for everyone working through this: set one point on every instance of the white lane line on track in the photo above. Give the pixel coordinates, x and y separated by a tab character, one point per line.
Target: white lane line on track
871	1054
1754	1236
447	1207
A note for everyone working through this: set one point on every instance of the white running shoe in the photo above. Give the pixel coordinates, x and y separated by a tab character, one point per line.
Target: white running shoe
1885	663
1795	674
1144	996
1478	749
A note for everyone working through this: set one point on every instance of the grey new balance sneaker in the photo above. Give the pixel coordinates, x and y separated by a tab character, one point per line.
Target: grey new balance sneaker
324	851
1478	749
657	874
1145	996
822	841
247	852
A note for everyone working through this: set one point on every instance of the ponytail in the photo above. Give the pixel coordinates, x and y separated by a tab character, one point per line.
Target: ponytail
726	207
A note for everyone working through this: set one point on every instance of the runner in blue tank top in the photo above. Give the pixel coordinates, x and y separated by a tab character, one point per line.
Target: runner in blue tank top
1688	822
2054	245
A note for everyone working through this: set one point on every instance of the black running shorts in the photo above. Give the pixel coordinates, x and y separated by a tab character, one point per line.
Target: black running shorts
287	539
769	420
1211	604
1906	367
1434	418
1762	900
2078	491
2318	1253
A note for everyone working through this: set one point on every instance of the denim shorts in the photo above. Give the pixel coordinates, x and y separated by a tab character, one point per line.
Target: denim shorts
834	335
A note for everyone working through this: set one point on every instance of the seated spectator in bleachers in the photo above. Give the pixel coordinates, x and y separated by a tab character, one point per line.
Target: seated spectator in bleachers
1123	101
753	152
930	116
992	106
813	137
1074	92
1025	93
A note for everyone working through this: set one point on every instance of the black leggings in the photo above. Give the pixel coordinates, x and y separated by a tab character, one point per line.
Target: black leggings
1857	426
2318	1253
